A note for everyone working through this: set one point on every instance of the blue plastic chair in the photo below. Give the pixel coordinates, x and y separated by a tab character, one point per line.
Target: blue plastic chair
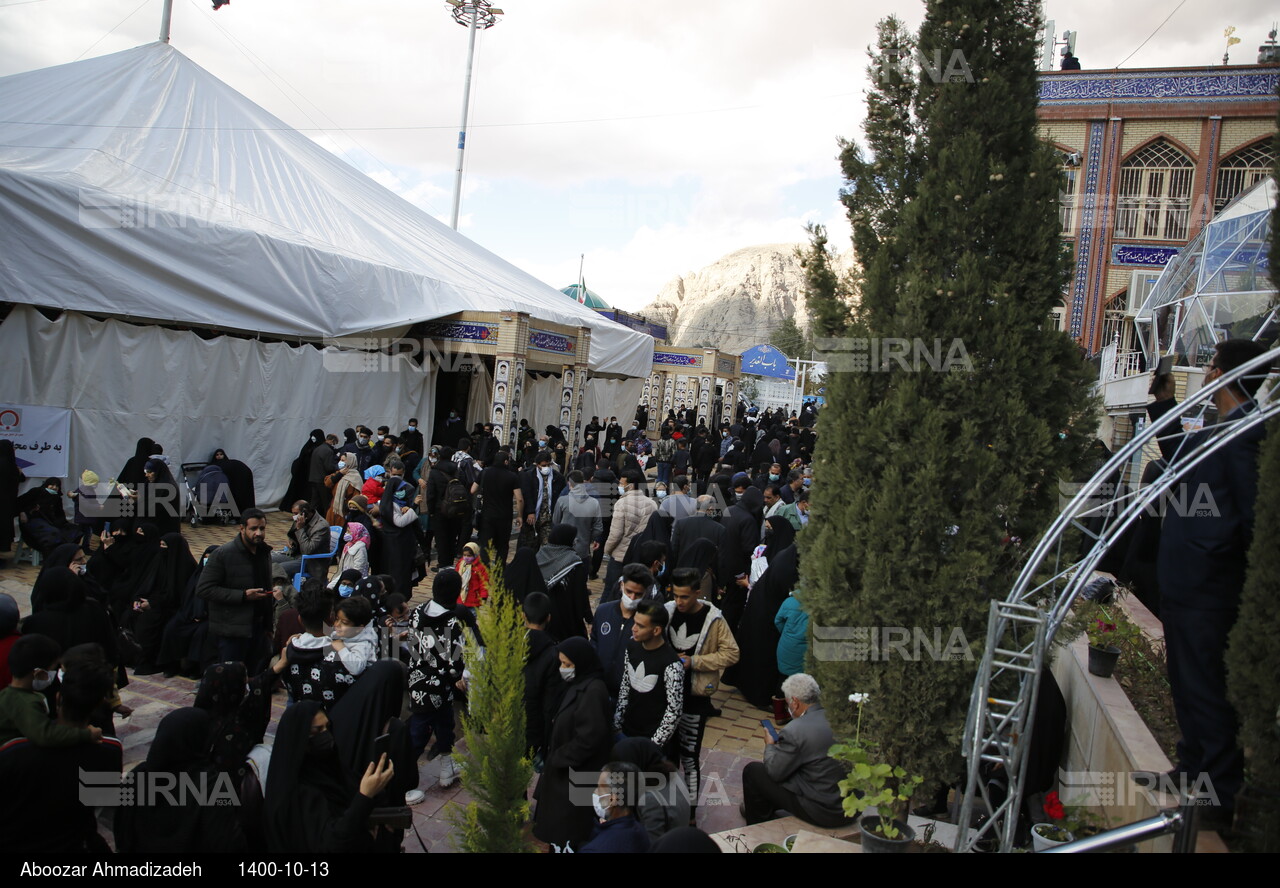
335	534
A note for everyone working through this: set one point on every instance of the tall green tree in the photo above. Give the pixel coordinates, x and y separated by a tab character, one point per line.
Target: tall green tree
925	459
789	339
882	177
826	295
1253	658
496	767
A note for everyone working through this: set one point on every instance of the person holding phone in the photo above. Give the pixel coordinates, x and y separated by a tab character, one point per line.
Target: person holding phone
314	807
236	582
797	774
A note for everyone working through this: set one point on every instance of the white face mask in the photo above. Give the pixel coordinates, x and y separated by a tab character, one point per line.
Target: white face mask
546	470
629	603
599	802
567	673
622	491
39	684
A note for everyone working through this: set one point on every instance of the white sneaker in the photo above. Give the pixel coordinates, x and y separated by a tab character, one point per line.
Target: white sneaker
414	796
448	771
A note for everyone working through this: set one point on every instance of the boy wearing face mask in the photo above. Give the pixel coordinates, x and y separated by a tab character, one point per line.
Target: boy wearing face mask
611	626
24	711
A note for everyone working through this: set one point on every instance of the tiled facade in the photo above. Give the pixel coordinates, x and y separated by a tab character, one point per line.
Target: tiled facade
1106	118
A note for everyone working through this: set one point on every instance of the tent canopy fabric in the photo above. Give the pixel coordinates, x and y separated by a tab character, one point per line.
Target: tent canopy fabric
257	400
139	185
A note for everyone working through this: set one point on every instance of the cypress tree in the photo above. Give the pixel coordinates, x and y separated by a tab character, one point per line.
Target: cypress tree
926	460
1253	658
496	767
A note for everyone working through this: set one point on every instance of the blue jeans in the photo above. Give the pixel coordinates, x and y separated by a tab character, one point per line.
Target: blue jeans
664	473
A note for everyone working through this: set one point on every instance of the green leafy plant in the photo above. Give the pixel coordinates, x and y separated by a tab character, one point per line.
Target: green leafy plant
871	784
1069	821
496	769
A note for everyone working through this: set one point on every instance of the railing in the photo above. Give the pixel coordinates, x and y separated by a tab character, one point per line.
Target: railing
1119	364
1179	822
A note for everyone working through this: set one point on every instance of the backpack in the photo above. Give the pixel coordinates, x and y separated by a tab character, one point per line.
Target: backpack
466	471
457	500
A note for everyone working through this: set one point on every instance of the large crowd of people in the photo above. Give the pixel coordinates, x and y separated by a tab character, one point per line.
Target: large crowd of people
362	613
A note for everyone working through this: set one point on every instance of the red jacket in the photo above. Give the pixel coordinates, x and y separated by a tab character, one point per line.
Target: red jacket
478	588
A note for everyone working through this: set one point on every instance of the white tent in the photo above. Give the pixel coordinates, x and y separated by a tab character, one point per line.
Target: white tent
139	186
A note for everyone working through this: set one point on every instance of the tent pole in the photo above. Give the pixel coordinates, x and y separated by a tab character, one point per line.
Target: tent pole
166	20
466	100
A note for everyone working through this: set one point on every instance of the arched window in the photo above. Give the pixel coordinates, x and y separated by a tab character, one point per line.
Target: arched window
1155	193
1241	171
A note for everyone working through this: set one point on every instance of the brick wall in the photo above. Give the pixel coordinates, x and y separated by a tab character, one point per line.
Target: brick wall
1239	132
1073	135
1139	132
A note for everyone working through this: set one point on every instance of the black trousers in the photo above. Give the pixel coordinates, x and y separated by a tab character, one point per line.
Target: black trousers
495	529
762	796
1196	642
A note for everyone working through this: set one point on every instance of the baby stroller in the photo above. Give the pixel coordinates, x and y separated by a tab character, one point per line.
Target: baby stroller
209	494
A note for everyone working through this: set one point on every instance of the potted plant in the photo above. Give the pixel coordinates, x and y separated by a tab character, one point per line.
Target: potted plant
1058	829
879	785
1103	654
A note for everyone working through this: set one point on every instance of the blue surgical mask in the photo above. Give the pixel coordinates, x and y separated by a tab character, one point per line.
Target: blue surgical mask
346	591
341	464
773	476
808	481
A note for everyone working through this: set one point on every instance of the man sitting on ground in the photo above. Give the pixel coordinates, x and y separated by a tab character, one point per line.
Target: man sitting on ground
797	775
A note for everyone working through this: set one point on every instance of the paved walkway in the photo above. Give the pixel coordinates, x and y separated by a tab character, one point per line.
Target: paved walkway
730	741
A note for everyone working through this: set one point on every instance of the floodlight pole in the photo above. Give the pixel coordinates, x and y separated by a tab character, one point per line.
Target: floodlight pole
473	14
166	19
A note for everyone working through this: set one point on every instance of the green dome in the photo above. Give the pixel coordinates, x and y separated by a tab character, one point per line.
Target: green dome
593	300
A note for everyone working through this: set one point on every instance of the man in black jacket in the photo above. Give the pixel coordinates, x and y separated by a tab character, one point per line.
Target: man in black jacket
543	687
1204	544
324	462
236	582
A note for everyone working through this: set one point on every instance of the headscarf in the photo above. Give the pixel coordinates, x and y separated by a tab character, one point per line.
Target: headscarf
782	535
306	793
359	534
373	472
522	576
177	566
221	690
181	742
753	501
586	662
59	560
464	569
362	714
558	557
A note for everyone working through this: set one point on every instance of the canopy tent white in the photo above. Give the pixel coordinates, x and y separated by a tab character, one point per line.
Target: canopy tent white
256	400
139	185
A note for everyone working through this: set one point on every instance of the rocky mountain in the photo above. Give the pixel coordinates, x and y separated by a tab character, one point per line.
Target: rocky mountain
738	300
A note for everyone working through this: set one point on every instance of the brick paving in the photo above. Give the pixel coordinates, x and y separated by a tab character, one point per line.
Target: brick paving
730	741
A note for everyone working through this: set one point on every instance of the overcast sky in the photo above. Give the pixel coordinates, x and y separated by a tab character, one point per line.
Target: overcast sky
654	136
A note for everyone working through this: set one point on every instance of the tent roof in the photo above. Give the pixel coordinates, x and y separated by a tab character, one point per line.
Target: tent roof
138	184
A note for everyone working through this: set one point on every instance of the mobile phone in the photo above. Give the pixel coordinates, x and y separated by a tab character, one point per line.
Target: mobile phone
106	527
768	726
381	747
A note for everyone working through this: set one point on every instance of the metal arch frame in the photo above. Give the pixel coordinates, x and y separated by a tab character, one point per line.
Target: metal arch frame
994	727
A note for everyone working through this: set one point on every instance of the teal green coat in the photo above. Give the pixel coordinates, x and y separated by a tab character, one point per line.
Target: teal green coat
793	625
